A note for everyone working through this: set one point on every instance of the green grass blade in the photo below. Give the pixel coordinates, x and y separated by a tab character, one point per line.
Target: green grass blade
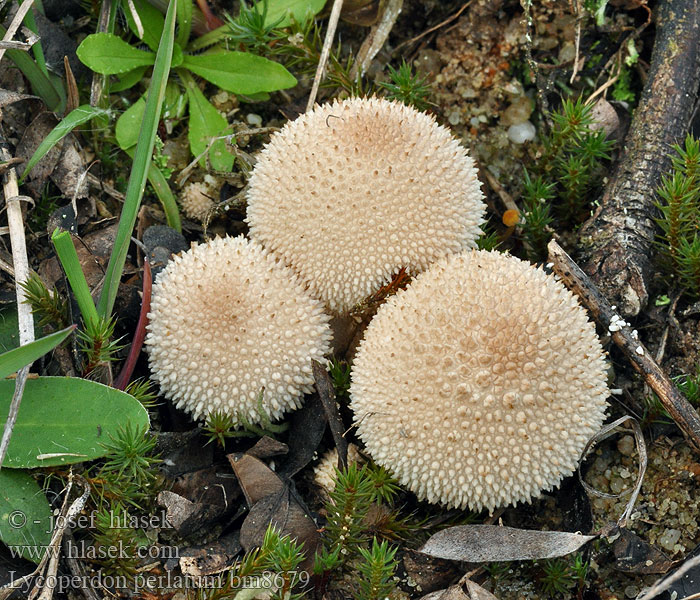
13	360
184	21
141	163
41	84
166	197
65	250
37	50
76	117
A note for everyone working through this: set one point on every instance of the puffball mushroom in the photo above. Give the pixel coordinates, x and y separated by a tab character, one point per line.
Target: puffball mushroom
480	384
352	191
228	321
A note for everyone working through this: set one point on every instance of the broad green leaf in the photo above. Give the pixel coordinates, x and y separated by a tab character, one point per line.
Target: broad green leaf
13	360
152	21
300	10
184	22
65	420
240	72
206	123
128	80
140	164
25	515
76	117
108	54
127	128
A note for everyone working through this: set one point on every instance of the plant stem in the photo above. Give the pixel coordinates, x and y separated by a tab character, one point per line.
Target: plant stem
65	250
141	163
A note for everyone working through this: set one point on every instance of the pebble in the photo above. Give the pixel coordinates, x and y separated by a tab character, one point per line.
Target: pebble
521	133
625	445
518	112
253	120
455	117
669	538
631	591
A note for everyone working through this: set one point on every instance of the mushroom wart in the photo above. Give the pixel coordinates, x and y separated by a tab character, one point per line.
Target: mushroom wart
353	191
228	321
479	385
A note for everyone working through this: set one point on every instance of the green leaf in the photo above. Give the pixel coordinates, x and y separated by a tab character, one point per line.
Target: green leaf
140	164
65	420
127	128
13	360
25	515
68	257
184	22
76	117
41	84
240	72
300	10
152	21
9	328
108	54
128	80
178	56
206	123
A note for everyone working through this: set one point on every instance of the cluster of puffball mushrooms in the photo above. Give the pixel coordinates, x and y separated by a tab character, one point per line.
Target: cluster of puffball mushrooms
477	386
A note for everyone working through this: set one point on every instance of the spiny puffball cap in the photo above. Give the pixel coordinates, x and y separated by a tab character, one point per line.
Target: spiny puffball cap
227	320
480	384
354	190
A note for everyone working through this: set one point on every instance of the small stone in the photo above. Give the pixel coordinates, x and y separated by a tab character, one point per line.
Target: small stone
669	538
253	120
631	591
521	133
518	112
617	485
625	445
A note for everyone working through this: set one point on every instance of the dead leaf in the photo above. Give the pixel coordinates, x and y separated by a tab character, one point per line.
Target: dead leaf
35	133
306	430
183	516
284	511
200	561
454	592
9	97
271	501
326	393
256	478
69	172
267	447
476	592
634	555
485	543
428	572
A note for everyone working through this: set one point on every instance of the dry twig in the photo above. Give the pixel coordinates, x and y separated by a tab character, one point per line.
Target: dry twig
24	312
681	411
327	43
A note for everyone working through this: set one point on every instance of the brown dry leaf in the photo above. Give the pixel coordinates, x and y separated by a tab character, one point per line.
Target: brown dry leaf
256	478
69	172
456	592
9	97
485	543
272	502
200	561
35	133
634	555
183	516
